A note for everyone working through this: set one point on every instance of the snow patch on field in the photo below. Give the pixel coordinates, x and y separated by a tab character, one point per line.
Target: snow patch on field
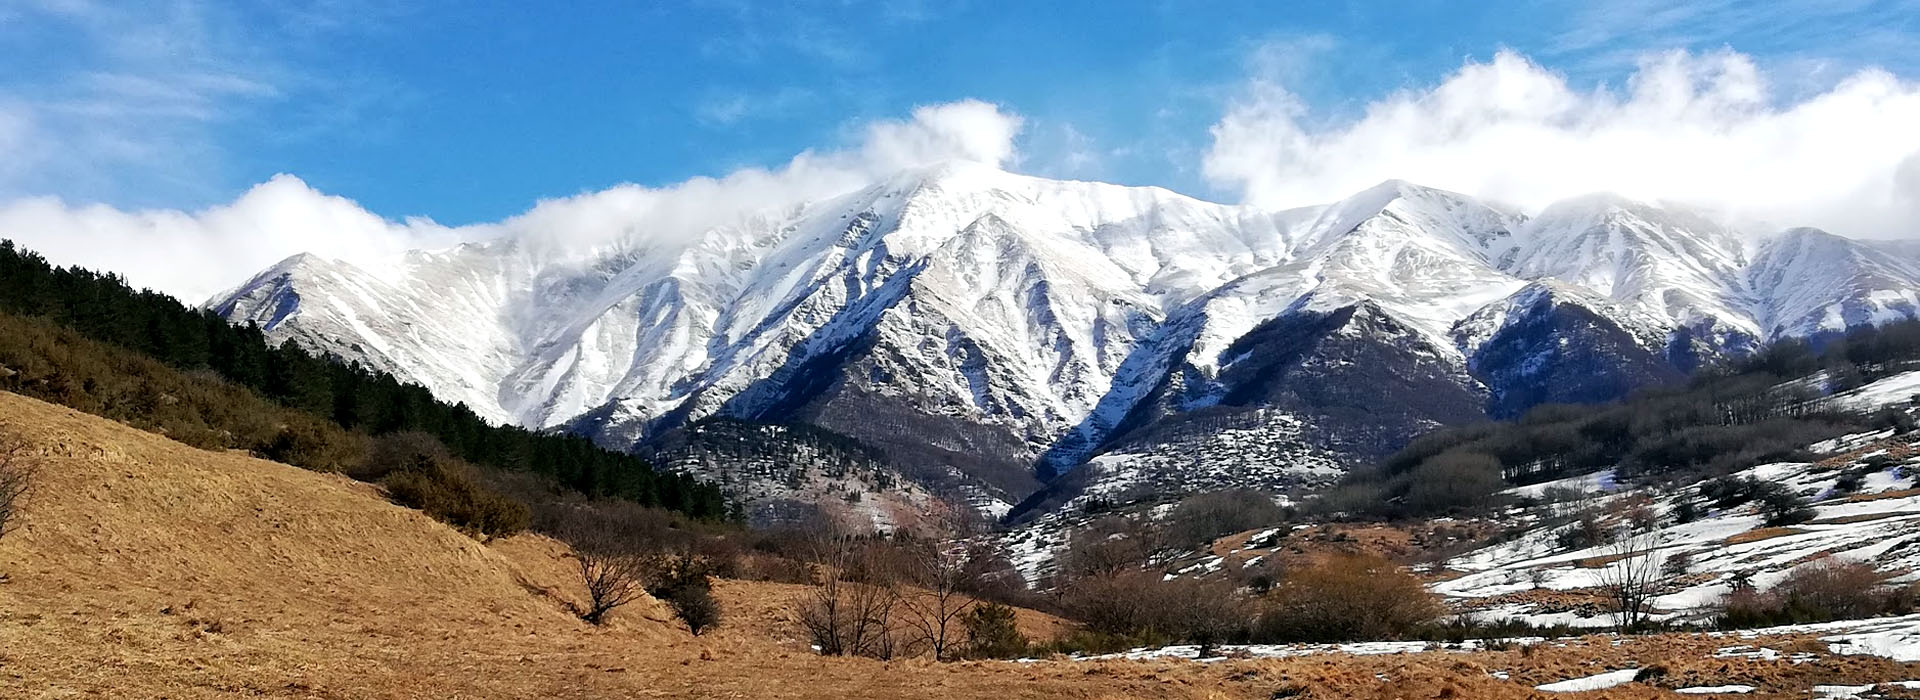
1593	682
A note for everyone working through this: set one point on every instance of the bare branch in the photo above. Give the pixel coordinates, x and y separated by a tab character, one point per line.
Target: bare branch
18	466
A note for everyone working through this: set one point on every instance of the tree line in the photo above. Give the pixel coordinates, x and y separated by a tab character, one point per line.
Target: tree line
104	308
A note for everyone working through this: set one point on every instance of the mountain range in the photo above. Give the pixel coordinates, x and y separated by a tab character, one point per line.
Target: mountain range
1016	343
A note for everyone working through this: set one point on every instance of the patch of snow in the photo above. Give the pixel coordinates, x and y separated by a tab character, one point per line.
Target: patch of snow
1594	682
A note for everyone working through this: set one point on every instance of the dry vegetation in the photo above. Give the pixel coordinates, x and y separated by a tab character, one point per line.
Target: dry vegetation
144	568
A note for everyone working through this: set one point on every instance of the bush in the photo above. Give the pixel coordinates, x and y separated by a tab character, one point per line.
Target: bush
1345	598
18	464
992	633
1121	603
1202	518
695	606
1453	483
1140	605
684	582
1586	531
1782	507
1686	511
450	491
1824	590
1108	546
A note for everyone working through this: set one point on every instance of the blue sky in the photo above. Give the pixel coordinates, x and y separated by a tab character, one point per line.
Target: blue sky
189	143
471	112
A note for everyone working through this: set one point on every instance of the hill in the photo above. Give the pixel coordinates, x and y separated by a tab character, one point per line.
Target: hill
145	568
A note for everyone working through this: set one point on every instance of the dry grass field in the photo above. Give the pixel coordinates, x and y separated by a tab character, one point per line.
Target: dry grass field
143	568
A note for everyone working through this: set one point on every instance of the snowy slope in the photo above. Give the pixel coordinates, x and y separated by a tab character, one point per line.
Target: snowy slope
1816	282
1667	262
972	323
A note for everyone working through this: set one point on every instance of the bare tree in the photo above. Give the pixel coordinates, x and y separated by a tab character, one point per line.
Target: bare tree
18	464
943	572
613	578
844	616
613	569
1633	576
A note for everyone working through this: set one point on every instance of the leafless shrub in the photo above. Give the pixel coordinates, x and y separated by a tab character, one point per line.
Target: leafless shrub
18	465
612	565
852	610
1201	518
1343	598
1632	579
612	577
934	612
1822	590
1108	547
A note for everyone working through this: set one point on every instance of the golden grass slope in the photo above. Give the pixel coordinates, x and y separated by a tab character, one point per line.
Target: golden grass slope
144	568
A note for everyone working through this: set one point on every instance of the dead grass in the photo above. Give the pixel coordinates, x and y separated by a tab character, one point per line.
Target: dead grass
147	569
1898	447
1765	533
1881	496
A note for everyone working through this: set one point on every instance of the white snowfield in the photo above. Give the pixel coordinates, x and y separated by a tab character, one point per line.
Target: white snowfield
1047	309
1897	389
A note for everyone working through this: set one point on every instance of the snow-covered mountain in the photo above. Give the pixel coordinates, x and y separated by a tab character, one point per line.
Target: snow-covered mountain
987	331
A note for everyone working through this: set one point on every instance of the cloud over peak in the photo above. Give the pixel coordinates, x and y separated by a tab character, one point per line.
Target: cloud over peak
196	254
1705	129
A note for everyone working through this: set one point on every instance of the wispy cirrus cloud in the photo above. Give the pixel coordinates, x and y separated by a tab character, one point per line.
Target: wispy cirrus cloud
133	100
726	108
1808	35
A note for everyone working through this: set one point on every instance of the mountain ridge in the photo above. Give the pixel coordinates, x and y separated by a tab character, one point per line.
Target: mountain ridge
1002	328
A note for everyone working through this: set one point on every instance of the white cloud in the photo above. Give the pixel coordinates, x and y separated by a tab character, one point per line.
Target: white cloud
196	254
1702	129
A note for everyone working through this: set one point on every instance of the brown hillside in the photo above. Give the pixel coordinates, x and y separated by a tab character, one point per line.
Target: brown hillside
148	569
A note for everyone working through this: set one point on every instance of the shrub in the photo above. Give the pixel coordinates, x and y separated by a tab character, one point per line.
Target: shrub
684	581
1686	511
695	606
992	632
1677	564
852	611
1730	491
1202	518
314	445
1122	603
1586	531
613	577
1141	605
17	468
1453	483
450	492
1108	546
1782	507
1824	590
1347	597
